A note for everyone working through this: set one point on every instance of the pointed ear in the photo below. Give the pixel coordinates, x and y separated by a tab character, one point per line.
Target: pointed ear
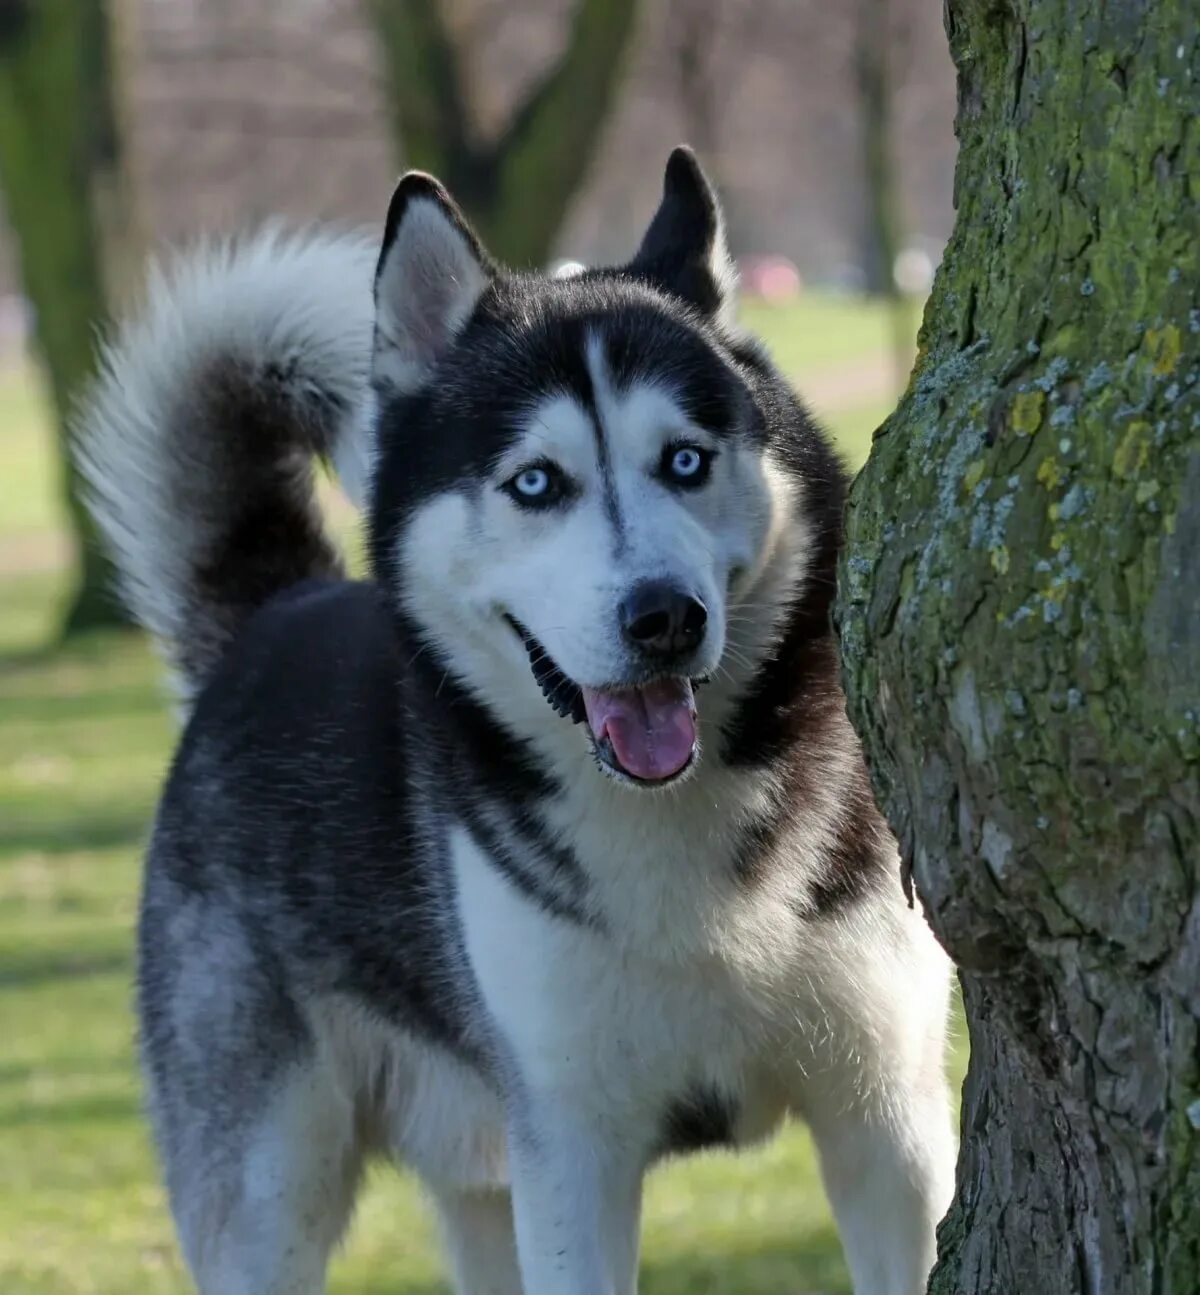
431	272
684	250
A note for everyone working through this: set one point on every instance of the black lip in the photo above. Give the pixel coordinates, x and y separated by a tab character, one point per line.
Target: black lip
564	695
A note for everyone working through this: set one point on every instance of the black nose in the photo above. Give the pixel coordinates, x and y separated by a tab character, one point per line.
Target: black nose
660	620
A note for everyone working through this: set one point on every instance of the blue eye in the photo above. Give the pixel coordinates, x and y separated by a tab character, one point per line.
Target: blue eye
532	483
687	462
540	485
686	465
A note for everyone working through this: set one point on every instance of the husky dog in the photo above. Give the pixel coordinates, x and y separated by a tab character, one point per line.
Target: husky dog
547	851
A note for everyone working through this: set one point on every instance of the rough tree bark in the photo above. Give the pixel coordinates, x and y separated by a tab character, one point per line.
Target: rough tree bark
1020	620
67	198
516	188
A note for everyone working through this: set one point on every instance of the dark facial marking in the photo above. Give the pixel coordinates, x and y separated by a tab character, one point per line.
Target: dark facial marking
608	485
527	339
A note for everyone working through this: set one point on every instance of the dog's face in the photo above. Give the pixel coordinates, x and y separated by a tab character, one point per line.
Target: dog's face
574	481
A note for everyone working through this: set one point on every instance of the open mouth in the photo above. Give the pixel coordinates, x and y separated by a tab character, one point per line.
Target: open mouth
646	733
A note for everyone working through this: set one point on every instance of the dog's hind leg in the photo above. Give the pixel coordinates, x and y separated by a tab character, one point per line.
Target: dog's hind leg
260	1211
478	1231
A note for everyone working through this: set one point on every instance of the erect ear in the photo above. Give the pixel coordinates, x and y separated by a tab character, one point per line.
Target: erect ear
431	272
684	250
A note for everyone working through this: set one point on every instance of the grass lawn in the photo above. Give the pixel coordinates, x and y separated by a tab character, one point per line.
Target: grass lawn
820	331
84	738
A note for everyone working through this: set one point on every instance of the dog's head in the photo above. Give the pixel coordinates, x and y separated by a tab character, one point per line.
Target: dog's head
576	483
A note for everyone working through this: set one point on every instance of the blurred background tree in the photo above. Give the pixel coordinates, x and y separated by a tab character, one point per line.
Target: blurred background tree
828	129
63	168
516	187
877	49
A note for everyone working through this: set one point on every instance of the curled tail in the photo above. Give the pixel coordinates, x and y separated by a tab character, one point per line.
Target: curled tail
198	440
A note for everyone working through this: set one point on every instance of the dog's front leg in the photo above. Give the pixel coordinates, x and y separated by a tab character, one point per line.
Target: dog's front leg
576	1201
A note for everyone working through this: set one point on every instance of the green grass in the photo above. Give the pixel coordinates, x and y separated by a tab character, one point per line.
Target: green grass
819	331
27	480
84	738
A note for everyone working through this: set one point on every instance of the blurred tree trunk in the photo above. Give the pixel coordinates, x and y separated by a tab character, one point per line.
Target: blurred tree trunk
873	56
66	195
517	188
1020	621
696	25
877	48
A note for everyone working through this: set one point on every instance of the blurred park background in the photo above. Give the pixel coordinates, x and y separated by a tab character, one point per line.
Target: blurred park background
128	127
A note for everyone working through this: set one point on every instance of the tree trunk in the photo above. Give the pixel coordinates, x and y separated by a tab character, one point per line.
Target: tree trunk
882	236
518	188
696	27
875	56
1020	621
67	198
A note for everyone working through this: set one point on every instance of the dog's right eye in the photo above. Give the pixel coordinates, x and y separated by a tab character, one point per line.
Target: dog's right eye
538	486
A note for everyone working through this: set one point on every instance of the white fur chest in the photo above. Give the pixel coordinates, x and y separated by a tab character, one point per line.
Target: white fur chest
628	1036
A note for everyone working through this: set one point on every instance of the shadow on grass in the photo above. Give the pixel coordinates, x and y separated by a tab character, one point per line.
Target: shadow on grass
81	1067
79	1111
29	971
45	706
811	1266
54	650
76	832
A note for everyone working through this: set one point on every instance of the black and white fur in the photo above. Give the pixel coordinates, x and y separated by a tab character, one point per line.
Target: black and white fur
397	903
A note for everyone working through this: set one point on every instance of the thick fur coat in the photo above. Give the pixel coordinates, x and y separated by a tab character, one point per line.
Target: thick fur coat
547	850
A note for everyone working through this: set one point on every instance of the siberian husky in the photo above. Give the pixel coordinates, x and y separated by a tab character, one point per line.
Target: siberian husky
547	851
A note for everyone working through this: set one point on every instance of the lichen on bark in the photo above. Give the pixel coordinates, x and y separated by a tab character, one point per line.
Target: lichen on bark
1020	618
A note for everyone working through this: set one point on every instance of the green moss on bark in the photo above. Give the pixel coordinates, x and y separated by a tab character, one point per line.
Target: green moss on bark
1020	622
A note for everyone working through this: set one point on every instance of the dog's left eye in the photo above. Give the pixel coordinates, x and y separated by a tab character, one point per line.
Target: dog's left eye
686	465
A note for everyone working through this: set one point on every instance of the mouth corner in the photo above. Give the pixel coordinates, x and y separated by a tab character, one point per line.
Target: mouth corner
641	734
564	695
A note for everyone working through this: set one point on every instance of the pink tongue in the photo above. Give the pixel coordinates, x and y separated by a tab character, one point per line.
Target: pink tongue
652	729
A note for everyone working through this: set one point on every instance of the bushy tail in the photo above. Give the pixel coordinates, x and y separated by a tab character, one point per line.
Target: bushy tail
198	439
